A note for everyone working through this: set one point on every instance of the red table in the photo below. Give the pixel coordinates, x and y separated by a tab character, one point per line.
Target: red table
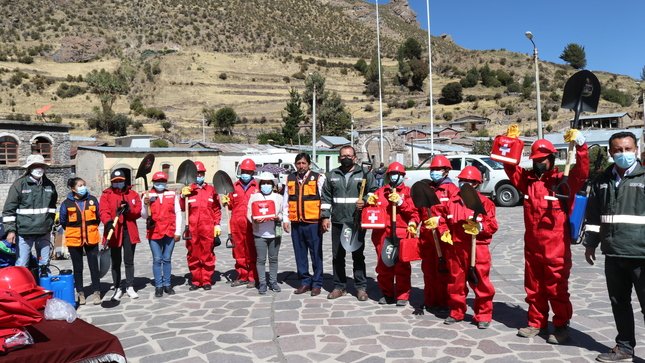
60	341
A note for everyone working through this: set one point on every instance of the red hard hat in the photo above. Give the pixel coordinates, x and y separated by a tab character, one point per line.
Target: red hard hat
542	148
396	167
17	278
247	164
160	175
471	173
440	161
200	166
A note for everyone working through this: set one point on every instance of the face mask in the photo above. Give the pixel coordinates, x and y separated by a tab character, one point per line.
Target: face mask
118	185
246	178
539	168
396	179
625	160
436	175
82	190
160	187
37	172
266	189
346	162
199	180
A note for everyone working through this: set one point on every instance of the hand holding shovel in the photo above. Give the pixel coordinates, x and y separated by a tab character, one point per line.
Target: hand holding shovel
424	196
471	199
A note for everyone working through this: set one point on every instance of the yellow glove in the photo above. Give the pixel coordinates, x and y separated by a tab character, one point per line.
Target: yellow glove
372	199
185	191
57	218
395	198
471	227
224	199
217	231
446	237
412	228
574	135
431	223
513	131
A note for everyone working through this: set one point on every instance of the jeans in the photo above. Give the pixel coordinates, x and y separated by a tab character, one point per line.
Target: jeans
25	244
161	266
264	246
76	254
307	239
128	260
338	260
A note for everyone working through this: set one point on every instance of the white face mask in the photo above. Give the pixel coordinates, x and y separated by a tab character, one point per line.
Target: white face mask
37	172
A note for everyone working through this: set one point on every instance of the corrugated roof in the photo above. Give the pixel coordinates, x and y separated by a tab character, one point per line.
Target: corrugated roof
334	140
606	115
240	148
592	136
142	150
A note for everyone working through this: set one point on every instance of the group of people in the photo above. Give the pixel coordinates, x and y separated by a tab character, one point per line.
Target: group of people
450	234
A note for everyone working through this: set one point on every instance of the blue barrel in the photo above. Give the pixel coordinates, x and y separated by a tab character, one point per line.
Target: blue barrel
577	217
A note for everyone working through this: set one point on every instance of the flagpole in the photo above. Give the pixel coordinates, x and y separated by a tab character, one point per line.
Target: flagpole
430	80
380	96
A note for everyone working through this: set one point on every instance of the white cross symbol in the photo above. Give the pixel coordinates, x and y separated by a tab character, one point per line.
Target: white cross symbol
505	149
372	218
264	210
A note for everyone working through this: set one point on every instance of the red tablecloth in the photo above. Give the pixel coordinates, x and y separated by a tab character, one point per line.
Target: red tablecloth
60	341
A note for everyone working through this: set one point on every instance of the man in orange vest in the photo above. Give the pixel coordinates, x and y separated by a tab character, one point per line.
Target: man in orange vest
301	203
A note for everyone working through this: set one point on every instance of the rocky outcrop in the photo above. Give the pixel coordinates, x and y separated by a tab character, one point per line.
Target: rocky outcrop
403	10
74	49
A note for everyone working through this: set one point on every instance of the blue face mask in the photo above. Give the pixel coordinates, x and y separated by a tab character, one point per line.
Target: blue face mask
160	187
246	178
82	190
118	185
436	175
200	180
625	160
266	189
396	179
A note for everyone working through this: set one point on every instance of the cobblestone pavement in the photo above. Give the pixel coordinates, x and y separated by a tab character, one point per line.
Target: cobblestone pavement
235	324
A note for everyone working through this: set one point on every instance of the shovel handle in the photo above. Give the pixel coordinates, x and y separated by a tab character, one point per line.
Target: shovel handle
111	231
567	166
362	190
186	234
473	250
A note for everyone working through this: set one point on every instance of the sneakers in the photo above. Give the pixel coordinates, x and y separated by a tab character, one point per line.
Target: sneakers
206	287
361	295
336	293
450	320
239	283
116	296
615	355
274	286
251	285
96	298
131	293
386	300
483	325
528	332
158	291
169	290
193	287
401	302
262	289
81	298
559	336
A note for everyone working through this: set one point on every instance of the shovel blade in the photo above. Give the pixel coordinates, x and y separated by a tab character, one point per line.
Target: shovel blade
471	199
187	172
390	252
349	238
105	262
582	87
222	182
145	167
473	276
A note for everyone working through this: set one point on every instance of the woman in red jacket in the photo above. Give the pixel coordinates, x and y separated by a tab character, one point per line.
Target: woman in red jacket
126	235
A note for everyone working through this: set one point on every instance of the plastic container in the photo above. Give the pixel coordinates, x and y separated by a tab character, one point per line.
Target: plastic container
577	217
62	285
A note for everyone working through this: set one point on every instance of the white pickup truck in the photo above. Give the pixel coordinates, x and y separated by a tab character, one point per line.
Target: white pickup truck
496	184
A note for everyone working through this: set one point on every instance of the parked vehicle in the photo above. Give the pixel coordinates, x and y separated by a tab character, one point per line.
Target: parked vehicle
496	184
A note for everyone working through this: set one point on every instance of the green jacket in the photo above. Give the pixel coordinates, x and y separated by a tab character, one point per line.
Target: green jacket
30	207
338	199
616	216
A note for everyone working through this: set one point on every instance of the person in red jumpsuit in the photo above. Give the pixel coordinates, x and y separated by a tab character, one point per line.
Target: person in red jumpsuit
547	238
204	216
394	281
458	219
435	289
241	229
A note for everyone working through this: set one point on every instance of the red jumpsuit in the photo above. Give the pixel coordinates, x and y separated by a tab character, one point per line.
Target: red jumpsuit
453	216
401	271
435	289
204	214
242	231
547	241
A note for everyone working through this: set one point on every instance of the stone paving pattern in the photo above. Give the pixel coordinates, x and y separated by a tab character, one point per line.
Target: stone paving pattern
235	324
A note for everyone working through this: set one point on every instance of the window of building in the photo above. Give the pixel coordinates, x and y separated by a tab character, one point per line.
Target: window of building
8	150
167	168
42	146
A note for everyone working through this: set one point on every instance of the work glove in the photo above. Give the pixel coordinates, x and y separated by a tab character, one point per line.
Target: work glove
372	199
412	228
472	227
217	231
108	226
431	223
57	218
185	191
574	135
513	131
124	206
446	237
395	198
224	199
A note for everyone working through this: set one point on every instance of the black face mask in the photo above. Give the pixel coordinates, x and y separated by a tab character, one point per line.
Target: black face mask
539	168
346	162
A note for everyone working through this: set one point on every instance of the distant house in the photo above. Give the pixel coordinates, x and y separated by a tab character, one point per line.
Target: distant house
617	120
470	123
134	140
414	134
331	142
449	132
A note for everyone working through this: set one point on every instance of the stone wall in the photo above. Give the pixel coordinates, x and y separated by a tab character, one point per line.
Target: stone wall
57	174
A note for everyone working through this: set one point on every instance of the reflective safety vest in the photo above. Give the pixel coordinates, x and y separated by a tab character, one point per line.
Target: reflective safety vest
304	198
82	222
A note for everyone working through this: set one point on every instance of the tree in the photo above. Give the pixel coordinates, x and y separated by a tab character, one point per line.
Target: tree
643	74
420	71
471	79
575	55
452	93
482	147
333	119
108	87
295	115
308	94
166	125
371	77
412	70
410	49
222	120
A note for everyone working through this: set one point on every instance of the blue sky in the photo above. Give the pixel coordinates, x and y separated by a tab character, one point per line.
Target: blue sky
611	31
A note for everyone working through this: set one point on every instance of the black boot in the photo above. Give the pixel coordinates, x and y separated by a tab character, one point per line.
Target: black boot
42	271
159	292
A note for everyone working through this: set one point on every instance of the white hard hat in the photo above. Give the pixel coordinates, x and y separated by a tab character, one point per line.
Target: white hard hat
266	176
34	159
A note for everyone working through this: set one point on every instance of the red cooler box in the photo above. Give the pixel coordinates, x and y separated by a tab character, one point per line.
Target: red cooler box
507	150
373	217
262	209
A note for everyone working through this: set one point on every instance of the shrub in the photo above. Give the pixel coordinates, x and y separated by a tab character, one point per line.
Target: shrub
513	87
166	125
471	98
154	113
136	106
159	143
616	96
361	66
298	75
411	103
223	76
369	108
452	93
447	116
67	91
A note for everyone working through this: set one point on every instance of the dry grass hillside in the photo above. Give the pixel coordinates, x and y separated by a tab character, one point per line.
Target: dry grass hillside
244	54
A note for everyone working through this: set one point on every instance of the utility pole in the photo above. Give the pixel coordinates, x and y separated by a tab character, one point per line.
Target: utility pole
313	131
380	86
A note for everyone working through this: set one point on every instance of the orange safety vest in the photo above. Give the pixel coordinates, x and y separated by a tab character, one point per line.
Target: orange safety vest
304	198
82	225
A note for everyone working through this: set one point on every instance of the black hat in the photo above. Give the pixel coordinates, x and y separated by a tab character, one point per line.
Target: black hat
117	175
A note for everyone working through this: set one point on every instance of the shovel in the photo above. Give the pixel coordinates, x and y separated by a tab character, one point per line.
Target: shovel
424	196
224	185
470	198
105	260
186	175
581	93
390	250
349	236
142	172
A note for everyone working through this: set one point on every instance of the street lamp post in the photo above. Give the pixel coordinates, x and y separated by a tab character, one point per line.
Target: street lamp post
380	96
351	134
313	130
529	35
